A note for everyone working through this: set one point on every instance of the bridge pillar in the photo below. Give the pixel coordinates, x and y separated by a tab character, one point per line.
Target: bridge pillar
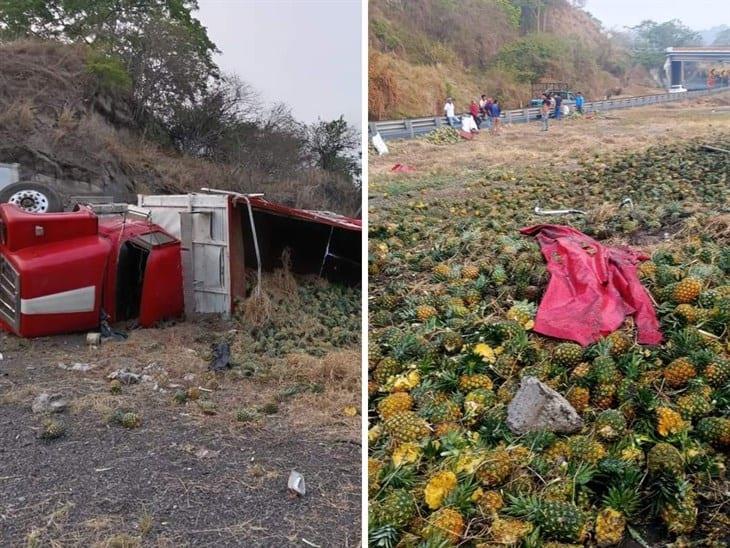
676	73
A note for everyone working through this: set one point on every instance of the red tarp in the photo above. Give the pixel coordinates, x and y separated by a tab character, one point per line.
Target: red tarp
592	288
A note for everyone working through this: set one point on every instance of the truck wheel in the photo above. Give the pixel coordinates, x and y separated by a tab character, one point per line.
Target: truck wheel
32	197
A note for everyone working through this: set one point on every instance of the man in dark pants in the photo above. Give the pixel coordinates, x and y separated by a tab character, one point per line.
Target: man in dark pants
558	104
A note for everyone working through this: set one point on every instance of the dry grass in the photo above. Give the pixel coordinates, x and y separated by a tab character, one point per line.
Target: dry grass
523	145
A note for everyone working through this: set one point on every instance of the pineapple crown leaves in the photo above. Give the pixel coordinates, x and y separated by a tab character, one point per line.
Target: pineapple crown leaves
460	498
623	499
383	536
397	477
523	506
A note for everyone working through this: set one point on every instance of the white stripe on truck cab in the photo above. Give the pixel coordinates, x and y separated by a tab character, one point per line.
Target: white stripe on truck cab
65	302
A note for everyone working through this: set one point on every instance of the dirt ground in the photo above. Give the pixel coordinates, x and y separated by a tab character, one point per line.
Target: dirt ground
563	145
193	473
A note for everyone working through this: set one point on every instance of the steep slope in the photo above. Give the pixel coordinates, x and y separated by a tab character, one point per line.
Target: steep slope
424	50
59	120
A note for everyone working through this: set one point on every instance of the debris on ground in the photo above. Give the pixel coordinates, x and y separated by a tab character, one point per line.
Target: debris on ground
296	483
221	357
49	403
125	376
82	367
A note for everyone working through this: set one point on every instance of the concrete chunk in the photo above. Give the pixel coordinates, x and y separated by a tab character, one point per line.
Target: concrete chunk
536	406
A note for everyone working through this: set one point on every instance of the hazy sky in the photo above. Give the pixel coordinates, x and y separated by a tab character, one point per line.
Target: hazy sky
696	14
305	53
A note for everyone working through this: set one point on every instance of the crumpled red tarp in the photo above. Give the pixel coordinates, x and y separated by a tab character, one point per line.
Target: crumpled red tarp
592	288
402	168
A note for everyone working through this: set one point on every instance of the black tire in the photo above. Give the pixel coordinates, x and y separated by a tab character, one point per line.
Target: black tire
39	197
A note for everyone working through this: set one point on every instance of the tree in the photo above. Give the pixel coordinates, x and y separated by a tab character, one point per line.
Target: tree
333	146
722	38
652	39
164	49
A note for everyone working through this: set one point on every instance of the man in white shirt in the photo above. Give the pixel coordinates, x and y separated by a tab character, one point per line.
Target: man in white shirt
449	111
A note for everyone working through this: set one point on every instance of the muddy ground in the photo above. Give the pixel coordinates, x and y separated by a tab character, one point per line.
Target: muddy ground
191	474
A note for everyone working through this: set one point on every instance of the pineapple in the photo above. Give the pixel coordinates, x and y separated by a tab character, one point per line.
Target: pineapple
446	525
610	424
509	531
664	458
604	371
680	518
567	355
583	448
687	290
678	372
438	488
406	426
647	270
690	314
441	272
557	520
619	343
470	272
490	502
694	405
386	368
452	342
602	395
669	422
580	374
396	509
495	468
578	397
715	430
52	430
425	312
474	381
717	372
610	527
395	403
522	312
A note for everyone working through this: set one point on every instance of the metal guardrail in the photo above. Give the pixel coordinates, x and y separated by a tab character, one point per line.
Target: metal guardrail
412	127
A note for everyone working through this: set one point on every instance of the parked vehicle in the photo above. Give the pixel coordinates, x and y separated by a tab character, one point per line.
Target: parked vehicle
677	88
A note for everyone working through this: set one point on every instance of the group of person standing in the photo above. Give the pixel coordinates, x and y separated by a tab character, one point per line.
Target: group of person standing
553	102
487	110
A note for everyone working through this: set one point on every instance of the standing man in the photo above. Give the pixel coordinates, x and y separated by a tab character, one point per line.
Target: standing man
474	110
558	105
449	112
495	113
545	111
579	100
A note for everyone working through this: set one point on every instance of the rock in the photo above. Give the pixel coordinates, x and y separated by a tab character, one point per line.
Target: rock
49	403
125	376
536	406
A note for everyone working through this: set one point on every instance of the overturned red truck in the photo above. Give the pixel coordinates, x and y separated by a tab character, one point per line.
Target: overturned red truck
169	256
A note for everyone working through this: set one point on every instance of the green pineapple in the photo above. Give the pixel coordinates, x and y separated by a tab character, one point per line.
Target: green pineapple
557	520
664	458
715	430
567	355
406	426
396	509
610	424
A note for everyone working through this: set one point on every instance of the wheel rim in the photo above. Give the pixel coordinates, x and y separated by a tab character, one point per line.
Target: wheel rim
30	200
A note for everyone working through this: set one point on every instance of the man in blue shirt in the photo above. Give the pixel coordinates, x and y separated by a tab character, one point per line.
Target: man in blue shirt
494	113
558	106
579	100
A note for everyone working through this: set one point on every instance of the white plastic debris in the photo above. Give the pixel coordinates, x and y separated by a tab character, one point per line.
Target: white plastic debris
379	144
93	339
83	367
296	483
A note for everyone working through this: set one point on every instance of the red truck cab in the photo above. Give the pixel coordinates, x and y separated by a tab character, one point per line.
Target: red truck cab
58	271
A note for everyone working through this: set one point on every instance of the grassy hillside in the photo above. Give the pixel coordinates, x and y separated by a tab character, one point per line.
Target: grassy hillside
61	118
424	50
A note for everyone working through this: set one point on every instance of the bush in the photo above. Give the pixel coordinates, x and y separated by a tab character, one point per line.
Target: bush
109	72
